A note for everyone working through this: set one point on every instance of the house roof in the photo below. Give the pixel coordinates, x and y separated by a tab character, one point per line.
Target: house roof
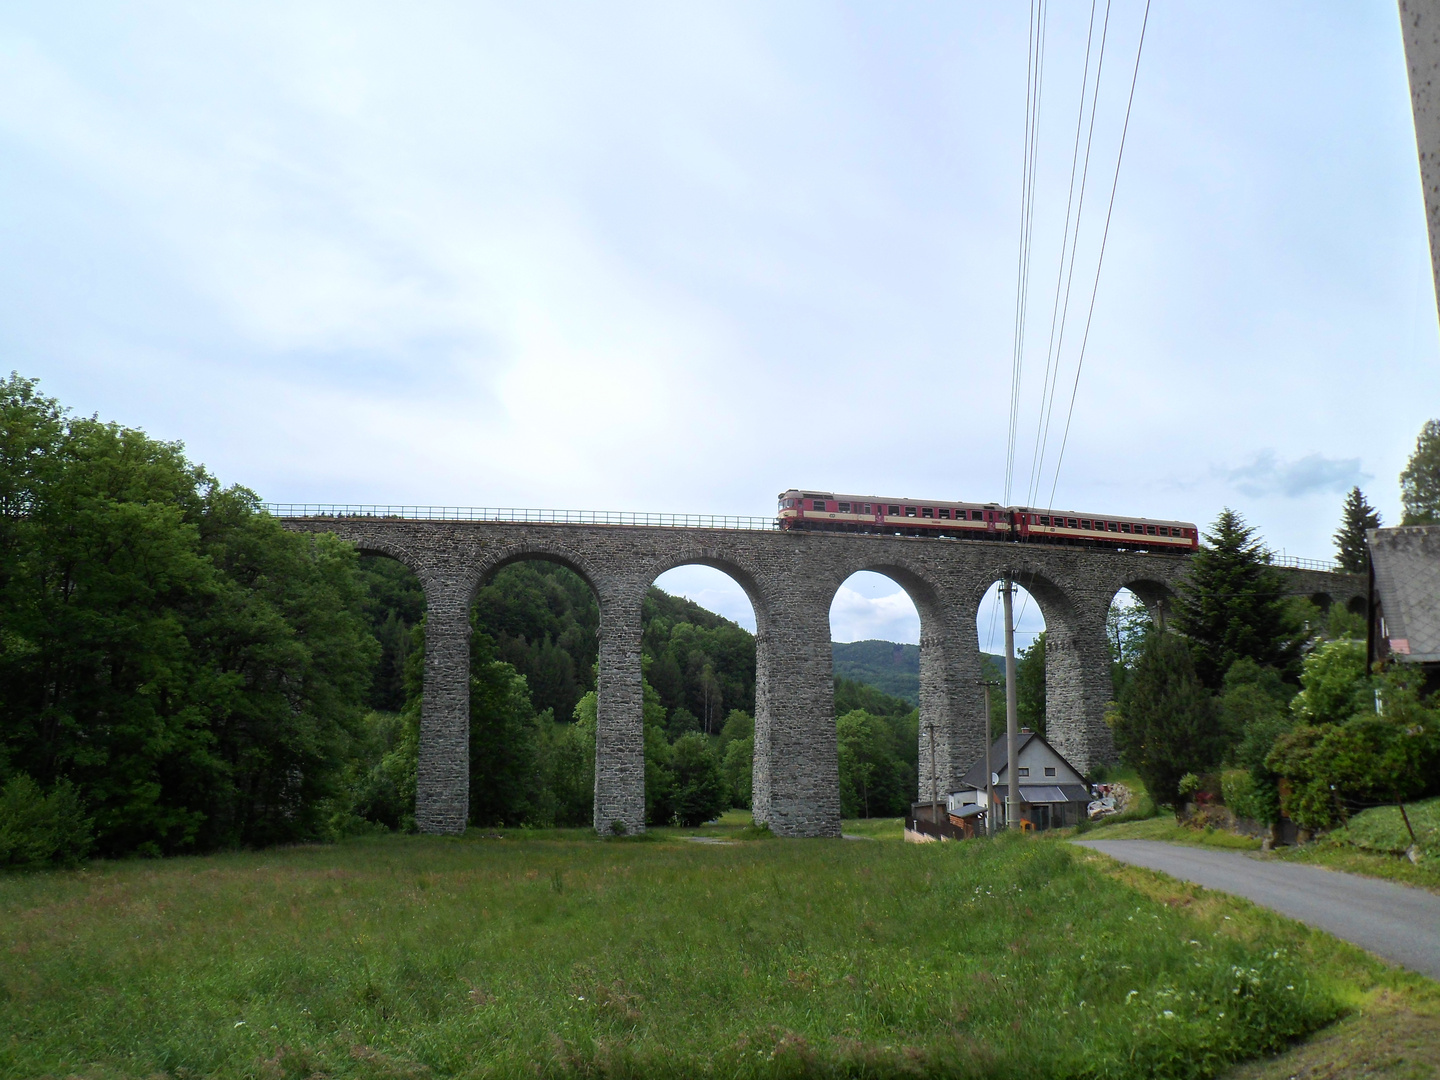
999	761
1407	582
1044	793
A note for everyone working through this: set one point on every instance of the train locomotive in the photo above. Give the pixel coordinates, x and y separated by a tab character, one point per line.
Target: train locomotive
826	511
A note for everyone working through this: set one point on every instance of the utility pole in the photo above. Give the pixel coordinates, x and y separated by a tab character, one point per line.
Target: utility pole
1012	717
989	773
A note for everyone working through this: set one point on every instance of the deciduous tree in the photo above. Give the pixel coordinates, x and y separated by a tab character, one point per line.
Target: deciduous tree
1420	482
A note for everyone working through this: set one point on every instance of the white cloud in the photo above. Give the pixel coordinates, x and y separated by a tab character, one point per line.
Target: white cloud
1266	475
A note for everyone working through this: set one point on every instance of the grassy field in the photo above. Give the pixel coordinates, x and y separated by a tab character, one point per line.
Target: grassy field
1166	828
554	953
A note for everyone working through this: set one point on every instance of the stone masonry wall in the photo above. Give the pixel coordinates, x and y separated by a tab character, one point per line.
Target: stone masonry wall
791	579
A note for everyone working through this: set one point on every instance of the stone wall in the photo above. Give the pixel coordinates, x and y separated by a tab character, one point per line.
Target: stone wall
791	579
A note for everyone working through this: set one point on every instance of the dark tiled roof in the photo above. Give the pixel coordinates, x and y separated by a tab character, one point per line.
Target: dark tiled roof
1407	583
999	760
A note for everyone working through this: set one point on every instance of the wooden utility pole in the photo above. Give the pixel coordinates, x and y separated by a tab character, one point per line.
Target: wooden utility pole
1012	716
989	771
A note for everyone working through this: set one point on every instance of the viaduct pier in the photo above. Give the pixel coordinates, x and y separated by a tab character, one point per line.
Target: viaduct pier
791	577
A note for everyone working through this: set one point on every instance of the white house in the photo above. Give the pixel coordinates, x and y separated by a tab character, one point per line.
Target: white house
1053	791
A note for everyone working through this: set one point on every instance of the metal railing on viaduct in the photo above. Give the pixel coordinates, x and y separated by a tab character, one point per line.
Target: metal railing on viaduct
791	579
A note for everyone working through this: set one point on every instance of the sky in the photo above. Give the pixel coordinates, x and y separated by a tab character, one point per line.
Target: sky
683	257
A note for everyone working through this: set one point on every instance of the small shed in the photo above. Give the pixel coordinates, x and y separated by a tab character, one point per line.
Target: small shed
1053	793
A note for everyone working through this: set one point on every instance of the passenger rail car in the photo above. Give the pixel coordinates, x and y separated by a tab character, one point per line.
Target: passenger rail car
823	511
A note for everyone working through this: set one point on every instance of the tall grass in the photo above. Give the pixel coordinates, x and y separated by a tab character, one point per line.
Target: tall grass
570	956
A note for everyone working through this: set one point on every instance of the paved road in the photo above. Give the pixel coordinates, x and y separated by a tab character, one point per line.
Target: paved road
1395	922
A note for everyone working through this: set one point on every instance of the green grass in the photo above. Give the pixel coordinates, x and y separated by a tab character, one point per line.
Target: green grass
875	828
1166	828
1382	828
525	952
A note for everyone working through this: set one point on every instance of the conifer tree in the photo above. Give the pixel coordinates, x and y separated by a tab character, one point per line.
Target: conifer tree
1357	516
1420	482
1233	605
1167	724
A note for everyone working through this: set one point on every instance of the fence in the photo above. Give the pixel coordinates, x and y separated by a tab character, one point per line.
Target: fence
519	515
1291	562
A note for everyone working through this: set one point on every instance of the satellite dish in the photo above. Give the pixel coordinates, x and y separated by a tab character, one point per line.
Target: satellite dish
994	778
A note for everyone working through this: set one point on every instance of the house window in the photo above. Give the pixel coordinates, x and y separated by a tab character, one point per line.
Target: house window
1049	770
1024	770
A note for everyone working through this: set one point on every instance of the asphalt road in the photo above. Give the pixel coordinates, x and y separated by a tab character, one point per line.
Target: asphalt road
1395	922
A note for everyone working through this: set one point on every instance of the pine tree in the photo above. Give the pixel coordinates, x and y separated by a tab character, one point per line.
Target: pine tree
1232	604
1420	482
1358	515
1167	724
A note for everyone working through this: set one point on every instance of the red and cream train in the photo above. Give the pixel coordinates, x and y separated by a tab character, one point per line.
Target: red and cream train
825	511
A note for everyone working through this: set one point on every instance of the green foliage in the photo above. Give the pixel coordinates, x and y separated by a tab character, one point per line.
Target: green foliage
394	606
544	621
890	667
1030	685
196	671
1189	784
736	751
1334	684
697	660
1356	516
700	792
1232	605
504	734
1254	708
1239	792
900	716
1167	724
738	768
42	830
1420	482
1127	625
1366	759
871	777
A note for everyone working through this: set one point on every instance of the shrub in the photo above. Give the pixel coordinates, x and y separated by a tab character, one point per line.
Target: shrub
40	830
1238	790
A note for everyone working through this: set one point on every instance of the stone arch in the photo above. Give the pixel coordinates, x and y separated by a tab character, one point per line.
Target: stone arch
951	698
1157	595
1077	658
562	555
762	594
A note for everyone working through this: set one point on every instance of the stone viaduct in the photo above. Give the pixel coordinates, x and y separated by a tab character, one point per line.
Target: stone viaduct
791	579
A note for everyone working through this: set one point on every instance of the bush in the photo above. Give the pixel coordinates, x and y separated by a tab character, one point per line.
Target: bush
1238	790
41	830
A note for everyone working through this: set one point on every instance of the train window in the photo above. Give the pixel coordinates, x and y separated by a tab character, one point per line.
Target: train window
909	511
1084	523
819	504
1113	527
926	511
976	515
1044	519
1150	529
843	508
894	511
944	513
1124	526
1073	523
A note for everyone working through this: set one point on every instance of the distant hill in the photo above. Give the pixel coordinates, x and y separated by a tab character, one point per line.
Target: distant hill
893	668
890	667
